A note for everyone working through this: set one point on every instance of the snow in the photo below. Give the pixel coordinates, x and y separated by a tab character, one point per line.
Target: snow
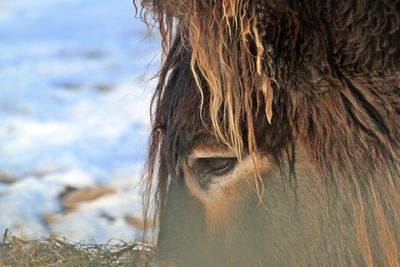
75	91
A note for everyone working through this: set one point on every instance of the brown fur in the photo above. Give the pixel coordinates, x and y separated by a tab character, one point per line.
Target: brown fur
329	72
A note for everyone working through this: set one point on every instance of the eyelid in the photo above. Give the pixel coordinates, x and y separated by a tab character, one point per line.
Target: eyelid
198	154
207	155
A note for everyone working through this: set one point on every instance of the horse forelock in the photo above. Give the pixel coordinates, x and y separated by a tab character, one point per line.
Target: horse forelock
230	65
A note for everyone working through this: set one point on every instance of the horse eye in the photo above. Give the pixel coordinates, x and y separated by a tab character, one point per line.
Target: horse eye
215	166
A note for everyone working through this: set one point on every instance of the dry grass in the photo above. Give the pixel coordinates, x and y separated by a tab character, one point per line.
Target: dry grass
51	251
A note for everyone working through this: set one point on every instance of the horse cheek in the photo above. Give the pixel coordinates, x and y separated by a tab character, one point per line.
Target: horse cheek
182	228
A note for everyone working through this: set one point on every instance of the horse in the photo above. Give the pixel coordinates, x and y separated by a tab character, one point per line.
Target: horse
276	138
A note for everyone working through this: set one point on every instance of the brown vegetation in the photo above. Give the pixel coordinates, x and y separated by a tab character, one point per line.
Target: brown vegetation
60	252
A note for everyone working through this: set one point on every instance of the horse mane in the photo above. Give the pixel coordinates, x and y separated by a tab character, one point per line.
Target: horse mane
320	74
235	44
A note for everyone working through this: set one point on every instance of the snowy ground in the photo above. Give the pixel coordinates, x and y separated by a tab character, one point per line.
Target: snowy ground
74	101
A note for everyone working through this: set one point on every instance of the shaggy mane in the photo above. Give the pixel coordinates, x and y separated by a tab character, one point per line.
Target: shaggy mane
234	42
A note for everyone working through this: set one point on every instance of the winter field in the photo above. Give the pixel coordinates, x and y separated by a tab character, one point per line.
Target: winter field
75	89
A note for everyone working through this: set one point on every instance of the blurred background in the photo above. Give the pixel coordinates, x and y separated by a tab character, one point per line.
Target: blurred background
75	87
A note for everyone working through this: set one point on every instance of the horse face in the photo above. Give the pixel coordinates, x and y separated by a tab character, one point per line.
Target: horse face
318	185
277	206
271	208
221	210
215	214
